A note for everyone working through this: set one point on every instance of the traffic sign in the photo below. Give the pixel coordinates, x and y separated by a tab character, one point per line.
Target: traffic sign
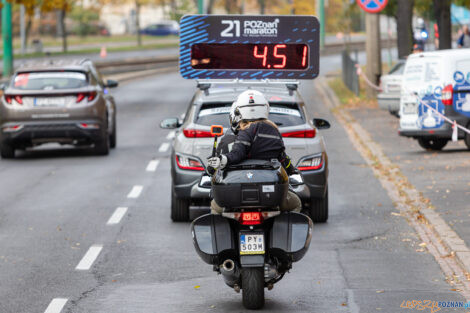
372	6
249	47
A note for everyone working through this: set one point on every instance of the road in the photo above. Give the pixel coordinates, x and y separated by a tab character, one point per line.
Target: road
56	203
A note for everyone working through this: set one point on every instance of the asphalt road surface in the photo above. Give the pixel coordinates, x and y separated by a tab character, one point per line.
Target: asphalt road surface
95	232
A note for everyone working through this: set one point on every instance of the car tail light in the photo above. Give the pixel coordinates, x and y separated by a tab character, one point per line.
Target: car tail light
12	128
447	97
89	95
18	99
311	163
308	133
196	133
92	96
89	125
189	163
251	218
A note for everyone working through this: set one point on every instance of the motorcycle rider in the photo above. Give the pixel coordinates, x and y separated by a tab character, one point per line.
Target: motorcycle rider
256	138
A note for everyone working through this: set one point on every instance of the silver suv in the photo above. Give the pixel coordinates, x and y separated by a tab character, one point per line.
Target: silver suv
64	103
210	106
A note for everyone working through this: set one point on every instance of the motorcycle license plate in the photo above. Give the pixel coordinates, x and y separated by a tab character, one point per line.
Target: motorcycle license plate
251	244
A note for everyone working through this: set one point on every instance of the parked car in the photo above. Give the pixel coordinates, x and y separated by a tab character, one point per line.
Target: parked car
162	29
210	106
389	97
442	80
67	103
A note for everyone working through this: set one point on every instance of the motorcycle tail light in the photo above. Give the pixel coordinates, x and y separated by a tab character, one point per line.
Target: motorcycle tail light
188	163
310	164
251	218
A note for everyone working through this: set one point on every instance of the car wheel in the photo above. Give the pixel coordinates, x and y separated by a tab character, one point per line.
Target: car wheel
319	209
112	137
435	144
102	145
7	151
179	208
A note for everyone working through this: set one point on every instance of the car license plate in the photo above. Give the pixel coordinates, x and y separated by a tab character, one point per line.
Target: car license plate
251	244
410	108
52	101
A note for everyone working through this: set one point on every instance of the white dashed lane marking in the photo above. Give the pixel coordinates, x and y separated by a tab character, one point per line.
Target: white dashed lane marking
56	305
170	135
152	166
89	257
117	216
164	147
135	192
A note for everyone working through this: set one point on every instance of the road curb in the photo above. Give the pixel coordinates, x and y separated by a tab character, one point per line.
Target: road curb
449	250
124	77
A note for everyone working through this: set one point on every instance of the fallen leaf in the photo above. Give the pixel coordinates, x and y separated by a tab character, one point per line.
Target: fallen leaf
344	304
380	291
395	214
423	244
197	287
406	239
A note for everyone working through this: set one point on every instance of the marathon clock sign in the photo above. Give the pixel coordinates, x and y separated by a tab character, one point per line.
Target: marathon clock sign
249	47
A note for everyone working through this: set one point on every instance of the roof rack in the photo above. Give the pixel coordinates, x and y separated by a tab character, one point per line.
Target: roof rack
205	84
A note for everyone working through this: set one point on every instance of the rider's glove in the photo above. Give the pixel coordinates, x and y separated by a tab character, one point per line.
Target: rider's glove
218	162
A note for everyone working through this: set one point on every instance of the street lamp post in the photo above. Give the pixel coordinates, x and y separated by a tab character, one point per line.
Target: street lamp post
7	39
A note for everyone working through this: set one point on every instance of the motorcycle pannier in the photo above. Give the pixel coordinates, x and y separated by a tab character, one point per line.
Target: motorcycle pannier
291	233
212	236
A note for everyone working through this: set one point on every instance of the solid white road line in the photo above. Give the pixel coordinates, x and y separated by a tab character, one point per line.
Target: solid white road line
164	147
89	257
135	192
170	135
152	166
56	305
117	216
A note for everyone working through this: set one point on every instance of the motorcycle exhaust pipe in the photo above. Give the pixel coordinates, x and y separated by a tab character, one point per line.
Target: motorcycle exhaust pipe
231	273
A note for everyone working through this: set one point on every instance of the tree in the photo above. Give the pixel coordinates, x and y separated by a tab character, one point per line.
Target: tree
402	11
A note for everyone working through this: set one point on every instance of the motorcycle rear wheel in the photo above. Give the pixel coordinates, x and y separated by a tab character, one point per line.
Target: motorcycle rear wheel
253	287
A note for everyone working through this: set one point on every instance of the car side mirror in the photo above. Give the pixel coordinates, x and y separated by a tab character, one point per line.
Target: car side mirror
111	83
170	123
321	123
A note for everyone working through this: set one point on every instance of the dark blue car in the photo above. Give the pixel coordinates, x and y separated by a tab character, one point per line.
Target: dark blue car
161	29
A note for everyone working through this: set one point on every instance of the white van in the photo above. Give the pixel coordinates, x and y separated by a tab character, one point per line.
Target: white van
442	80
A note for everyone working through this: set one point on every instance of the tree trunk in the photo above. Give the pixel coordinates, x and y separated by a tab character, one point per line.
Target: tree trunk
404	27
210	6
262	7
442	15
63	30
137	23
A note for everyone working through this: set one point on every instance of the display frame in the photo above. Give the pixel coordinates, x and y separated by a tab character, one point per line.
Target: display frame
249	29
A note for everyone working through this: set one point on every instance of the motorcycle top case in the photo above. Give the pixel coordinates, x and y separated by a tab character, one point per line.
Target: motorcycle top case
212	238
291	234
252	183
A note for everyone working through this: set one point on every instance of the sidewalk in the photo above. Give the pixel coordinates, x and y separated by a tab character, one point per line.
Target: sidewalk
429	189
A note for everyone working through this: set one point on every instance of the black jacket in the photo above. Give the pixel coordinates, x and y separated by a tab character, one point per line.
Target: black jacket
260	141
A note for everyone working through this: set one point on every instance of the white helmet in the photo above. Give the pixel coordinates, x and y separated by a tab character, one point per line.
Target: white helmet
251	105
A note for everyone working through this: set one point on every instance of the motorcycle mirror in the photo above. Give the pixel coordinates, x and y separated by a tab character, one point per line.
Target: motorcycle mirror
217	130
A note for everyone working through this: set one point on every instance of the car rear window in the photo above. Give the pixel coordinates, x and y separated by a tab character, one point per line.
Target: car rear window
283	114
421	70
398	69
50	80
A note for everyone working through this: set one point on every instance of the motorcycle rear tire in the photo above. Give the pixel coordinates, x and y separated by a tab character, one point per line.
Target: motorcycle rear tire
253	287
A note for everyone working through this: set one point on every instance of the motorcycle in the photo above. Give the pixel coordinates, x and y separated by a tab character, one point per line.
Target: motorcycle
252	243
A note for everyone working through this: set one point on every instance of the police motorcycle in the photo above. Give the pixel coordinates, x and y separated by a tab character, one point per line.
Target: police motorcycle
252	244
